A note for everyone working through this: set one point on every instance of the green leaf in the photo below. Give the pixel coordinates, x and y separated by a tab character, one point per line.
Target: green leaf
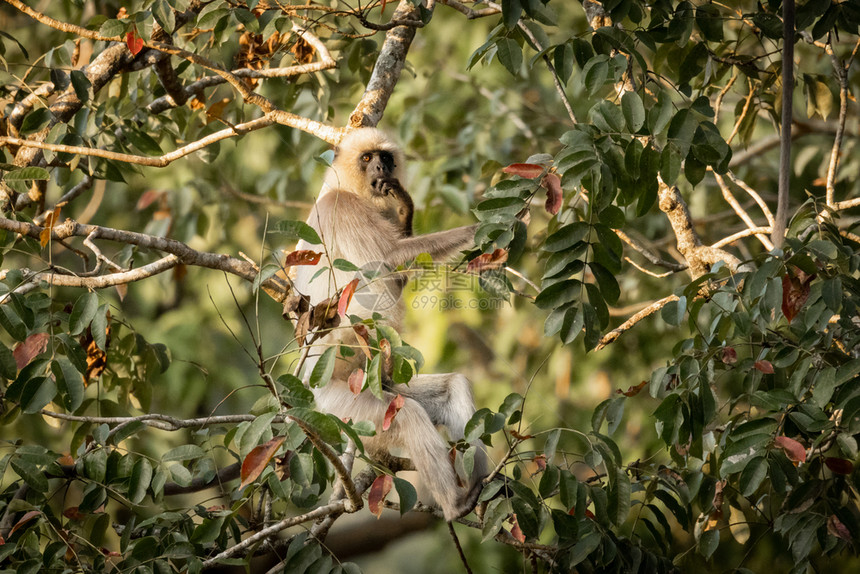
673	311
406	493
551	443
344	265
36	394
582	549
566	236
143	141
83	312
183	453
634	111
753	475
510	55
208	531
670	163
322	424
595	73
374	376
112	28
70	382
297	230
27	174
141	476
709	542
8	367
563	61
36	120
324	368
511	12
31	474
559	293
81	85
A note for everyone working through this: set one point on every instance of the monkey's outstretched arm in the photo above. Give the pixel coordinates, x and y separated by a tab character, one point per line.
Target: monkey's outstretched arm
438	244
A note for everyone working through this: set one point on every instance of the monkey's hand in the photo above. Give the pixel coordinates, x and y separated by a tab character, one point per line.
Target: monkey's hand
385	186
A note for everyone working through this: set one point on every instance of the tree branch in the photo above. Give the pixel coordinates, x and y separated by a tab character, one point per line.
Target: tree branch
781	220
612	335
185	254
699	257
731	200
386	71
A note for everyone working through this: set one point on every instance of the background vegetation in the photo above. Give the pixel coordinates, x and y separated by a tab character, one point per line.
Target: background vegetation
670	381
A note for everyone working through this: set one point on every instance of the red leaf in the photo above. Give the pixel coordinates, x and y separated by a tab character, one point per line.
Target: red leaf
764	366
793	449
526	170
134	42
837	529
66	460
149	197
729	356
23	520
302	257
363	337
258	459
378	491
795	291
515	529
632	391
355	381
540	461
32	346
839	465
552	183
393	408
74	513
488	261
346	297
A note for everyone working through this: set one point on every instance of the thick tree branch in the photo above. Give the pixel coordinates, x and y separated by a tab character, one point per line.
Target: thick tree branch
392	57
699	257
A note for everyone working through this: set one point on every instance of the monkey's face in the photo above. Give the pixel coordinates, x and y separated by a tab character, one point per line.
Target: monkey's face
378	167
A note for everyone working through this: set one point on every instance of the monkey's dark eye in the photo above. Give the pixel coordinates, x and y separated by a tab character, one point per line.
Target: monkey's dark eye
366	157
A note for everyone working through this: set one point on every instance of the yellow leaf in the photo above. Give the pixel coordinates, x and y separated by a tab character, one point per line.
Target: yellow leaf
738	525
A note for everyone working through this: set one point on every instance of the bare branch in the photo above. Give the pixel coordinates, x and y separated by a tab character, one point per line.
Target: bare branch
160	161
744	113
833	166
471	13
731	200
649	253
781	220
183	252
757	231
155	420
699	257
100	282
752	193
612	335
386	71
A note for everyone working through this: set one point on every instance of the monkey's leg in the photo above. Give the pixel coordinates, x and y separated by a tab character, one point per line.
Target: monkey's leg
411	429
447	398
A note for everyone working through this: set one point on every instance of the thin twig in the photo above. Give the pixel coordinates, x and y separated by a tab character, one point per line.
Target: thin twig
731	200
740	235
752	193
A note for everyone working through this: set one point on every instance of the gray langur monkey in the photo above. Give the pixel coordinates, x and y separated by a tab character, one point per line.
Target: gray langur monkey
364	215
